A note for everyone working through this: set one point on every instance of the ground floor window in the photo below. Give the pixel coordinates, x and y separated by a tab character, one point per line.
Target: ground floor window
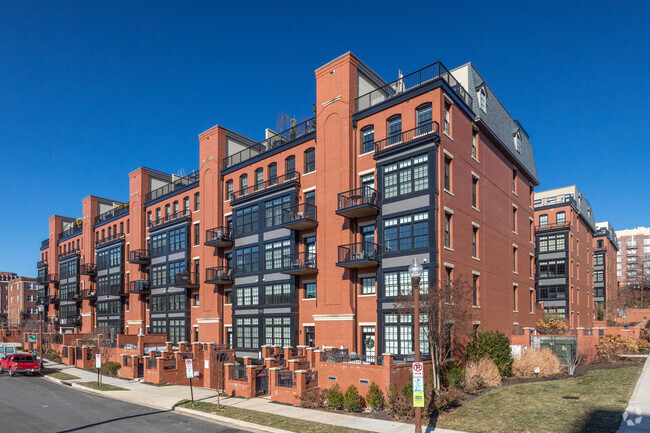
368	340
310	336
176	329
398	334
247	332
277	331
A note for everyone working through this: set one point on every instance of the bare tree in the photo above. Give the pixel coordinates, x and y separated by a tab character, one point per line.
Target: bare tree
445	312
104	340
573	359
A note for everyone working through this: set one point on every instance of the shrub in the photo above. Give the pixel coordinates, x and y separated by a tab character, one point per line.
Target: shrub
335	397
352	399
57	339
52	355
447	398
111	368
482	374
600	312
400	402
374	397
313	398
551	323
545	359
610	346
645	334
495	346
455	377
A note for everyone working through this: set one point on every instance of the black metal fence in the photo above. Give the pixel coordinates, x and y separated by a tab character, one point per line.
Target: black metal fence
238	372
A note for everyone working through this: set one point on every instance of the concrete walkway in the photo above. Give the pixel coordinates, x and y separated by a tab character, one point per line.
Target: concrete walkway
165	397
636	418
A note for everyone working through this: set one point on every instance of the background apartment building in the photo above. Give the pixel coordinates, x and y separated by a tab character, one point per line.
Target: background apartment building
305	237
22	302
605	248
5	277
633	262
565	231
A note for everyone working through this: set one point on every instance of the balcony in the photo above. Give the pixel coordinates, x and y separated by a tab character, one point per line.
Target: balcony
426	131
88	294
219	275
292	134
358	202
45	244
556	226
139	286
141	257
269	185
43	300
41	264
303	263
72	231
219	237
359	255
109	239
88	269
177	216
176	185
409	82
300	217
67	254
187	280
70	321
47	278
120	210
111	290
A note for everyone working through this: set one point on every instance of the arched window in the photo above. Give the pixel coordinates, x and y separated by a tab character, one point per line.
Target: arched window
229	190
149	217
109	231
78	245
394	128
168	211
290	167
368	139
103	234
186	204
243	184
122	227
310	160
482	99
128	227
157	214
423	117
176	207
259	179
272	174
114	229
518	141
197	202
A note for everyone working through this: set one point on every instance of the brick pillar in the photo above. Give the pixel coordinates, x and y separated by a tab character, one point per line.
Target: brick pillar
196	348
311	356
168	346
250	379
152	354
84	355
141	345
276	350
388	368
273	379
302	350
227	386
134	365
248	360
266	351
287	353
318	357
301	376
293	365
269	362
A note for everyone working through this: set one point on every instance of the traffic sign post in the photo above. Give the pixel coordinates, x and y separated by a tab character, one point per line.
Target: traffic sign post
418	369
189	372
98	366
418	384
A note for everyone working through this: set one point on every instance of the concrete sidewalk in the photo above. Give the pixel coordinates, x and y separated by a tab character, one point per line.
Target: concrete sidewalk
636	418
165	397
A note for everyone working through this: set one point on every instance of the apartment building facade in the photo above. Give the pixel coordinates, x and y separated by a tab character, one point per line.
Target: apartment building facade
605	248
633	260
22	302
565	230
5	277
305	237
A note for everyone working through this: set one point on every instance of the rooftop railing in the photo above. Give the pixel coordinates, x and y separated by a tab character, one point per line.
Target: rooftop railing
173	186
117	211
552	226
71	231
410	82
428	129
45	243
288	135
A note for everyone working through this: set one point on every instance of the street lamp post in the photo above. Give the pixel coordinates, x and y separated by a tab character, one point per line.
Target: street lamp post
415	271
40	337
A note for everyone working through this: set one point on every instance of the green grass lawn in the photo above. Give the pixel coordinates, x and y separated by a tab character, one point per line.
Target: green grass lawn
105	387
591	403
62	376
267	419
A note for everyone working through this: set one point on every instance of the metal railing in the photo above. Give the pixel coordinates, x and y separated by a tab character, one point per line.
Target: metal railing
218	234
357	197
277	298
360	251
41	264
71	231
257	189
431	129
288	135
219	273
410	82
47	278
68	253
45	244
552	226
139	255
285	378
299	212
186	279
87	269
353	358
169	364
185	213
152	363
87	294
173	186
108	239
139	286
122	209
238	372
304	259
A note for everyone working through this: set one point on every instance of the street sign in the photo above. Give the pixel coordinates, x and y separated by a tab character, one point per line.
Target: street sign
418	399
98	361
33	338
418	369
418	384
189	370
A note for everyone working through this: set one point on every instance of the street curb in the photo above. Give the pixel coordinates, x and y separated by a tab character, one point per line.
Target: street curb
227	420
59	381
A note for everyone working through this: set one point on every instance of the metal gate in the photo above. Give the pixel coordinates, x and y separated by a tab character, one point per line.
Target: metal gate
262	382
564	346
140	367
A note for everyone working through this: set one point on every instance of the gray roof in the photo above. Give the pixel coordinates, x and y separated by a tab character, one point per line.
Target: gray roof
497	119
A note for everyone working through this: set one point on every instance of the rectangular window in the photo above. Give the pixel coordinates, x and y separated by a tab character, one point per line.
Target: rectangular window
423	118
310	160
177	302
560	218
514	220
514	180
406	232
259	179
175	269
158	244
247	260
552	268
552	243
474	144
514	259
197	202
514	298
367	140
448	230
552	292
475	242
246	220
276	211
273	174
598	259
475	290
598	276
229	190
475	192
290	167
396	283
177	239
394	128
406	176
247	331
368	286
543	221
277	294
447	118
310	290
197	235
277	331
159	275
277	255
448	173
247	296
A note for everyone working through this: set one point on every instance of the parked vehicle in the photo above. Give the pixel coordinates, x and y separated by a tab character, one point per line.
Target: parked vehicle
20	363
6	349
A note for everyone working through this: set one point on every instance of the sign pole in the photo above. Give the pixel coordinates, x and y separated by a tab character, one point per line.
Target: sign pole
189	372
192	392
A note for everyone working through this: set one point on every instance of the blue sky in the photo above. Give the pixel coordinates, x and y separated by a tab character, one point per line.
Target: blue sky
92	90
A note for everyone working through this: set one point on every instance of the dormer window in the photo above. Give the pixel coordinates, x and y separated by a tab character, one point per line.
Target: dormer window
518	141
482	99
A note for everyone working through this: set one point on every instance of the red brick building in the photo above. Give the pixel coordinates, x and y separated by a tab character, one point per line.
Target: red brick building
305	237
565	231
5	277
22	301
633	260
605	253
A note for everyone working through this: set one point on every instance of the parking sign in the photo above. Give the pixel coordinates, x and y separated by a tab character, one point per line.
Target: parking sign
189	370
418	369
98	361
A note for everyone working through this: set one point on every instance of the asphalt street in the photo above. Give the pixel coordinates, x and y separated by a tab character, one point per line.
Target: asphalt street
34	404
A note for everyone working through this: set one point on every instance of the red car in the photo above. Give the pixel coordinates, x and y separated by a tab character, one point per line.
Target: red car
20	363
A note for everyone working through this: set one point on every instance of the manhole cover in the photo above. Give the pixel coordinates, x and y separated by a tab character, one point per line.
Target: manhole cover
570	397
